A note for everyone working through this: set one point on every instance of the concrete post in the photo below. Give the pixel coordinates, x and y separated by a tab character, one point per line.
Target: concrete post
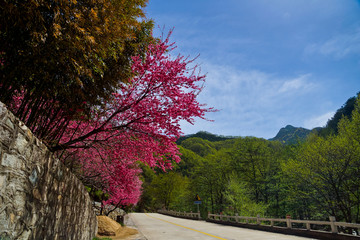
332	224
288	221
236	217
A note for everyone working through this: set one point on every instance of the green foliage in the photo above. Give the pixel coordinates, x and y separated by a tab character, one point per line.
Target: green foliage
211	177
345	111
145	203
312	179
189	160
225	144
326	171
97	195
239	198
199	146
215	170
256	162
165	190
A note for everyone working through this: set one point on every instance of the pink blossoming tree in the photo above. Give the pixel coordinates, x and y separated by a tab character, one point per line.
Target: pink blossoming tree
139	124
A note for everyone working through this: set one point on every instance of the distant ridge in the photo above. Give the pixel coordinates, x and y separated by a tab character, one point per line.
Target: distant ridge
286	135
205	135
291	134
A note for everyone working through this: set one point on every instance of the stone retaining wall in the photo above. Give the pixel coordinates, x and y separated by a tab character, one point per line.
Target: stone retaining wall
39	197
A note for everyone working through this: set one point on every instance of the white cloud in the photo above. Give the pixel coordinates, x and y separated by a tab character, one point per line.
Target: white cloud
339	46
250	102
240	90
318	121
298	83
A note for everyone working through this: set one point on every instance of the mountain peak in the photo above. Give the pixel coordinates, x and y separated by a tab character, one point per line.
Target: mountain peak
291	134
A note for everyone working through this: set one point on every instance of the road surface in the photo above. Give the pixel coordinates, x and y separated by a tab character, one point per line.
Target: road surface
154	226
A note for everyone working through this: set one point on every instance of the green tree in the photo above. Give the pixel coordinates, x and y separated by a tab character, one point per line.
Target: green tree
211	179
345	111
169	190
146	201
254	162
199	146
239	199
349	129
188	163
296	196
329	168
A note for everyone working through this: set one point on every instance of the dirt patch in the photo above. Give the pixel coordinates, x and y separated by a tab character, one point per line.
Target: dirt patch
110	229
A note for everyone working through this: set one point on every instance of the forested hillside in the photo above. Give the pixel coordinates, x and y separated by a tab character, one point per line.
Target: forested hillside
345	111
308	180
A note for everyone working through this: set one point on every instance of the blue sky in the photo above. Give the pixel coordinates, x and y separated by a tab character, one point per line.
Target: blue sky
268	63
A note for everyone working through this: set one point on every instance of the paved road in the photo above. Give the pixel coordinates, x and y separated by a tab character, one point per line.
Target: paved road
154	226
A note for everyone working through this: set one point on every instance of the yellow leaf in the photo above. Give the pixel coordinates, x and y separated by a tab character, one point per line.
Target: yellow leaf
91	39
77	15
57	30
93	13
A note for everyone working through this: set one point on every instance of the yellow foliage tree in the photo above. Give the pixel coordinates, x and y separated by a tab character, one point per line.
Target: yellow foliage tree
67	56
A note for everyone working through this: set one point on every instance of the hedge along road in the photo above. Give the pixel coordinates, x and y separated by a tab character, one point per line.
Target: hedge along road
155	226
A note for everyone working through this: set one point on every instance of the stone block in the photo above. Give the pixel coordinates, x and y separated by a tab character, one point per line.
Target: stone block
25	234
5	136
2	181
21	144
4	220
19	201
12	161
23	127
10	124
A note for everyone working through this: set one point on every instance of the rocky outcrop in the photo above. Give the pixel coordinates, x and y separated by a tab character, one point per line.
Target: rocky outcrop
39	197
291	135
